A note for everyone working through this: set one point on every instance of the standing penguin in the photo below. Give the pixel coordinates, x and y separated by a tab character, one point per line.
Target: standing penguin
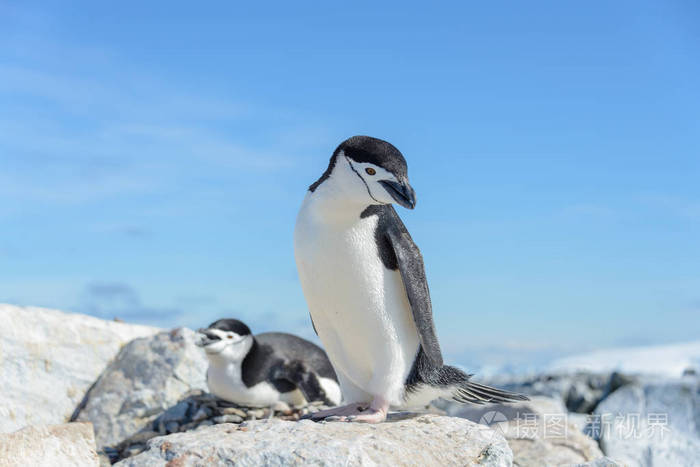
365	285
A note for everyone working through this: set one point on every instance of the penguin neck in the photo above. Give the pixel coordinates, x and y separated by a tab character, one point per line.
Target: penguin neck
220	361
331	205
227	361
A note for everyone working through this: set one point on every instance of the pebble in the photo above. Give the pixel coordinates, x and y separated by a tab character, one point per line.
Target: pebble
201	414
172	427
234	411
256	413
228	419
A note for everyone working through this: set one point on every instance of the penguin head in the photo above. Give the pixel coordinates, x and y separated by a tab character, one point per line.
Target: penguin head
229	339
368	171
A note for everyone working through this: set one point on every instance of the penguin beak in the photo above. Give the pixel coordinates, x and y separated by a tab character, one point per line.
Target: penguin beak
402	192
206	337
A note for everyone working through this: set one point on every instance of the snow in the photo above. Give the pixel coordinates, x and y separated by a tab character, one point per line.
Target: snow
663	360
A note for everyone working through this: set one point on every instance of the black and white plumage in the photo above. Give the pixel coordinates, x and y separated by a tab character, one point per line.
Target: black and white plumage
364	281
265	369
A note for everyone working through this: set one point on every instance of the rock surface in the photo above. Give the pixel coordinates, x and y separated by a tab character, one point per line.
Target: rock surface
420	440
538	431
54	445
197	409
548	441
149	375
602	462
655	423
49	359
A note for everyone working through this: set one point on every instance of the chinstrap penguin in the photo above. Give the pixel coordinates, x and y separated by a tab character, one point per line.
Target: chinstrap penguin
365	285
265	369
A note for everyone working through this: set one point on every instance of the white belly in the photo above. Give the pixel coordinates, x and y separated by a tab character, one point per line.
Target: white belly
359	308
225	382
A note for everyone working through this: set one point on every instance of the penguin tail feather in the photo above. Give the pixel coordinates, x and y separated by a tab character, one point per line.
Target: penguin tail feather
469	391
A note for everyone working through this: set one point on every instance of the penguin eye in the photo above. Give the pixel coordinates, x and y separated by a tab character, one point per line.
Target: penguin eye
370	171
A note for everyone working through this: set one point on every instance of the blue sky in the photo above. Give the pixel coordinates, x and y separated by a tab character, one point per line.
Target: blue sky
153	158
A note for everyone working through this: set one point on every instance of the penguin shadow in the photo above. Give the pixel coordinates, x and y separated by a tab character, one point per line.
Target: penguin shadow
411	414
399	416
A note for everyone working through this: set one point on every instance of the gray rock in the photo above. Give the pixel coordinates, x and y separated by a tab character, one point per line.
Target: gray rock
48	446
548	440
580	391
49	359
421	440
600	462
148	376
652	423
579	420
538	431
200	409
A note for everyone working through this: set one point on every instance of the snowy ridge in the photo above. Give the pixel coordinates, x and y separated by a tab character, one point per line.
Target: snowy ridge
664	360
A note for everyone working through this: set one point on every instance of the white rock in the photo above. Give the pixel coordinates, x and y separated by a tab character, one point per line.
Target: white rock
70	444
652	423
149	375
420	441
49	359
538	431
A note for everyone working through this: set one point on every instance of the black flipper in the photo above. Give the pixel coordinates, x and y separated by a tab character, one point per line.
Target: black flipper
297	373
410	264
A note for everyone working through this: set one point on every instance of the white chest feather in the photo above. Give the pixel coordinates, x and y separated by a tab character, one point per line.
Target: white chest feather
359	307
225	382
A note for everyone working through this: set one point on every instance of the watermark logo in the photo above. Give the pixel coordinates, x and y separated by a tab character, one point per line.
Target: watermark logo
628	426
531	425
493	419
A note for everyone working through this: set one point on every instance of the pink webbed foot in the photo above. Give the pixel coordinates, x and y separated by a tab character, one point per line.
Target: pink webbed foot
368	416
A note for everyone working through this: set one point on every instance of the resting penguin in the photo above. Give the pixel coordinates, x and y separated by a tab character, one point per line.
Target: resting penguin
266	369
365	285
